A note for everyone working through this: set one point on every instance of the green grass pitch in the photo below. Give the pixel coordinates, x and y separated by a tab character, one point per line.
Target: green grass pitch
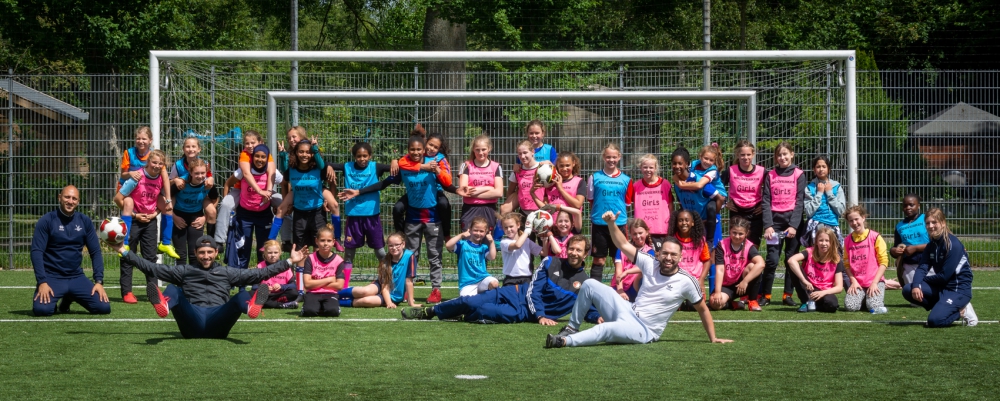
369	354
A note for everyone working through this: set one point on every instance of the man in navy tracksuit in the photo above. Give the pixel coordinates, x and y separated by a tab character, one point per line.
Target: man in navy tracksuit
56	255
550	295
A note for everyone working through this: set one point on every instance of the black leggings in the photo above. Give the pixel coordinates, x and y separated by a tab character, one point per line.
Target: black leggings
143	235
828	303
443	211
185	238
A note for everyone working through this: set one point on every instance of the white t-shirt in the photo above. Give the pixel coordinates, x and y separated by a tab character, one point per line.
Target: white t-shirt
518	262
660	296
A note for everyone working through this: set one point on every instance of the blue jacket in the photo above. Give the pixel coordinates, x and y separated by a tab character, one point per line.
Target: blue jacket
952	268
552	291
57	246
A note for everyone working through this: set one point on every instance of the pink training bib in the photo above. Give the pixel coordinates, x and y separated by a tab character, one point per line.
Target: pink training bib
562	245
145	193
627	264
745	188
864	262
735	262
480	177
322	270
525	180
652	204
282	278
691	258
552	195
783	190
821	275
250	199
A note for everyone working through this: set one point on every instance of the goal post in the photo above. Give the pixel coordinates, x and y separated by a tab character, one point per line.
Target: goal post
846	57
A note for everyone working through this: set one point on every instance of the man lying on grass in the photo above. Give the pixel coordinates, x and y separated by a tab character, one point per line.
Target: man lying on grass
664	288
550	295
199	295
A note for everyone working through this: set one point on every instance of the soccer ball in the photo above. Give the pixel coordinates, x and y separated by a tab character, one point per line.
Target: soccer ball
112	231
544	174
543	222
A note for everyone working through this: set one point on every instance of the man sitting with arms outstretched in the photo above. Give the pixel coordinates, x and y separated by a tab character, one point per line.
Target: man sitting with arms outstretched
199	295
550	295
664	288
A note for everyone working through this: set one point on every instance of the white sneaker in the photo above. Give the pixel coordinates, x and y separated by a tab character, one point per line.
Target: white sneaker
811	306
969	318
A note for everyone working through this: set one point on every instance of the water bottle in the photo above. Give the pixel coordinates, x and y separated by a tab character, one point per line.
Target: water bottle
878	311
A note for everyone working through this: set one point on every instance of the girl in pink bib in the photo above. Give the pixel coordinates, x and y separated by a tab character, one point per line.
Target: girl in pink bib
480	182
689	230
865	259
744	181
323	278
651	199
564	187
568	224
737	269
283	288
782	202
627	285
820	273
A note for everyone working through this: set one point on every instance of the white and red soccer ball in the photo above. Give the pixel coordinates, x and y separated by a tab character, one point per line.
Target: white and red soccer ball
112	230
544	174
542	222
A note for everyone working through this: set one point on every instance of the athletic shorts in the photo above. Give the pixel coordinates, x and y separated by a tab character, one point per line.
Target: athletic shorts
516	280
359	230
477	288
603	245
305	225
470	212
731	292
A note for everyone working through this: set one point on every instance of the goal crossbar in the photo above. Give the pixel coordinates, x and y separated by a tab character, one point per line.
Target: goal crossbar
847	56
273	97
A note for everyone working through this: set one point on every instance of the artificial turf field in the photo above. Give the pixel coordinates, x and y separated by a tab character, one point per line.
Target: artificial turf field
371	354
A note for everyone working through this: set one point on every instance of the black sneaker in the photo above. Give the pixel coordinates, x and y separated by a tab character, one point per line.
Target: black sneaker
763	301
289	305
554	341
416	313
788	301
566	330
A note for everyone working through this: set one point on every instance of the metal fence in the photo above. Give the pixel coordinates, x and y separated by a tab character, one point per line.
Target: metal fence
919	131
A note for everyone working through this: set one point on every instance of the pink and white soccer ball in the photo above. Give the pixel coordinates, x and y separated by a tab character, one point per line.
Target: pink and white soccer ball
544	174
112	230
543	222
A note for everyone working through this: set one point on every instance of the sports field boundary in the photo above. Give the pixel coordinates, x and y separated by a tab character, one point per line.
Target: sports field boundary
377	320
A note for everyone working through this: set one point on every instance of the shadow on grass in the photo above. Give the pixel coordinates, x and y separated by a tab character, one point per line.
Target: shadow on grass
169	336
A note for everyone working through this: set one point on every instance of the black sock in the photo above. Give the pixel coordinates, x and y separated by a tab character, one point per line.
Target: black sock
210	229
597	272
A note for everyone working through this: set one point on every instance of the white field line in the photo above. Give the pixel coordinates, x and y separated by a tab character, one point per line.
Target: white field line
336	320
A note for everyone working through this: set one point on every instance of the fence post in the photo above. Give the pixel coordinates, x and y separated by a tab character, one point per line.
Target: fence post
416	87
829	71
621	108
211	124
10	167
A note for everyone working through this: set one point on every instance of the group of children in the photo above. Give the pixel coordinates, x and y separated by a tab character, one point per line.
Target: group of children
776	208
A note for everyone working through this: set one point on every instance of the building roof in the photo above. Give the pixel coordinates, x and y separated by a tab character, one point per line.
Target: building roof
35	100
962	119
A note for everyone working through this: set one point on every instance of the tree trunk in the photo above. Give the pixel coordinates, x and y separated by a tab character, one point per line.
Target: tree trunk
446	118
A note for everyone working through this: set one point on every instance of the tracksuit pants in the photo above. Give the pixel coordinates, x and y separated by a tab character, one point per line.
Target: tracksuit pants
431	234
143	236
185	238
79	288
501	305
945	305
202	321
620	326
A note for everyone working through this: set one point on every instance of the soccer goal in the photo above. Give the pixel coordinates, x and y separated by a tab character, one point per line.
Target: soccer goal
804	97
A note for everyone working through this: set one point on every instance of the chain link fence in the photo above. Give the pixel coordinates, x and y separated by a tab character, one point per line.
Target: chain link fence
926	132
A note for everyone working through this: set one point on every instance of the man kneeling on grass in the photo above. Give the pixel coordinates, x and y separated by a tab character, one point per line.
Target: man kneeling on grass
199	295
664	288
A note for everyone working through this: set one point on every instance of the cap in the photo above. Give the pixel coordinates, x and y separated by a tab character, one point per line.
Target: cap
204	241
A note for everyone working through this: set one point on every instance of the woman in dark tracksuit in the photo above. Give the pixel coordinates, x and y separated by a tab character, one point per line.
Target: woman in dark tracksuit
947	290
